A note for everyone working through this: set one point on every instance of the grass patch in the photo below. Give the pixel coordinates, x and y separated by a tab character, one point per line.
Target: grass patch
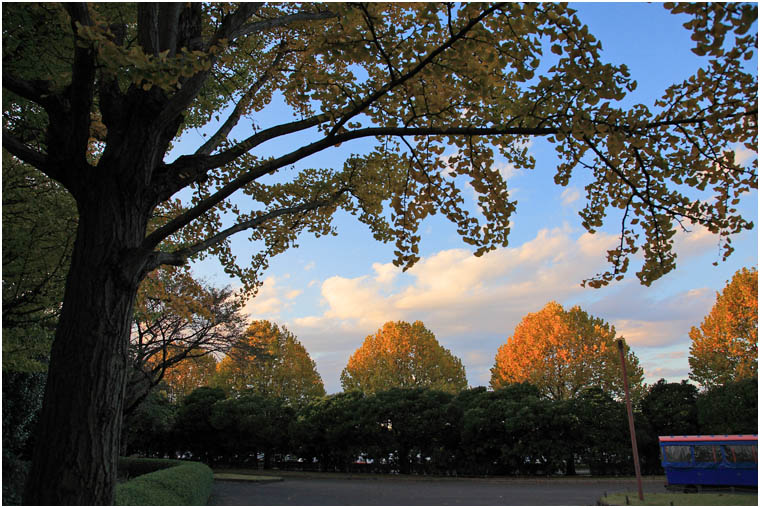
680	499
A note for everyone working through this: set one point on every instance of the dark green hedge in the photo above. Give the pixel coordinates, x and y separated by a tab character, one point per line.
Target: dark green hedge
130	467
182	483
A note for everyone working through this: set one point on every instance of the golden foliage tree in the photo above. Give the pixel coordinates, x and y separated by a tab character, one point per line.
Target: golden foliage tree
562	352
724	346
95	96
268	360
196	369
403	355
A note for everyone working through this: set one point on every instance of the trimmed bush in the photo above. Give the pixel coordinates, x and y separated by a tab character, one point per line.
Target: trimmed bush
131	467
183	484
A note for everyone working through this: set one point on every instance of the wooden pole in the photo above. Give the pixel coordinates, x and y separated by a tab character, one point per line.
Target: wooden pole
630	419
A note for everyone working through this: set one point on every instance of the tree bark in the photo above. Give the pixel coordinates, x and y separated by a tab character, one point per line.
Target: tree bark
75	458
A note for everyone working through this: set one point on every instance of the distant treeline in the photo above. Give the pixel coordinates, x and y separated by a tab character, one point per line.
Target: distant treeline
510	431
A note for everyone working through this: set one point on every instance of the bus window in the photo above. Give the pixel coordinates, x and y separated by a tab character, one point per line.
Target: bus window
741	453
675	453
707	453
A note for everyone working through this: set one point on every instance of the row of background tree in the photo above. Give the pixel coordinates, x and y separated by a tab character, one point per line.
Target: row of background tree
512	430
183	325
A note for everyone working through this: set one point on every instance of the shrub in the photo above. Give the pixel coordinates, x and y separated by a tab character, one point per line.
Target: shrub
188	483
131	467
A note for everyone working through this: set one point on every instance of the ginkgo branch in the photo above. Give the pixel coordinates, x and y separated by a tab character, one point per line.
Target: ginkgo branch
36	91
220	135
192	87
179	257
268	24
375	96
19	150
195	165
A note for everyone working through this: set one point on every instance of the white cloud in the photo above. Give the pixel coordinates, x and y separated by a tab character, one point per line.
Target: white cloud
309	266
507	170
696	241
570	196
649	333
266	303
293	294
386	272
473	304
743	155
272	299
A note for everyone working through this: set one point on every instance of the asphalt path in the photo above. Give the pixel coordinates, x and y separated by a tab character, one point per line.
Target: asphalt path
423	492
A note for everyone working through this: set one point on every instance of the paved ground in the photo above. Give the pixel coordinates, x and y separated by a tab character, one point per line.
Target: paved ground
311	491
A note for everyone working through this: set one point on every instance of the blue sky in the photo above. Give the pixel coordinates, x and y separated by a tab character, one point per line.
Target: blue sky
332	292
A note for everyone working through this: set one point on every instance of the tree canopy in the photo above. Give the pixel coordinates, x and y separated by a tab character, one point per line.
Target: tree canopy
403	355
95	96
197	369
563	352
268	360
39	224
724	346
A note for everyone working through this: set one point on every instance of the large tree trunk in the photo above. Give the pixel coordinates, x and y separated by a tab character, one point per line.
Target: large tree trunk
75	458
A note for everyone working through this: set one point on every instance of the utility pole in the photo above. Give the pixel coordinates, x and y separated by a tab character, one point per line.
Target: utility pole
636	467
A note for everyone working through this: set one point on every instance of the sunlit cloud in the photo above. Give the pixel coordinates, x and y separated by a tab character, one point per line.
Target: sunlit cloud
650	333
742	155
385	272
671	374
267	301
473	304
272	299
293	294
570	196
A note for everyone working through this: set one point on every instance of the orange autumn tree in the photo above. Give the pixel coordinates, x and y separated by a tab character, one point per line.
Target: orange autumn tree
195	370
562	352
403	355
268	360
724	346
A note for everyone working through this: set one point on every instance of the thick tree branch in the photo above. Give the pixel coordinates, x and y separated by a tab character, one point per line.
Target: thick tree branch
168	26
195	165
35	91
190	168
73	123
687	121
190	89
268	24
28	155
147	27
221	134
414	71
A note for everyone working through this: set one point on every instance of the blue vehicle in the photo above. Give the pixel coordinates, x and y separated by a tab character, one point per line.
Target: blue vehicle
693	462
